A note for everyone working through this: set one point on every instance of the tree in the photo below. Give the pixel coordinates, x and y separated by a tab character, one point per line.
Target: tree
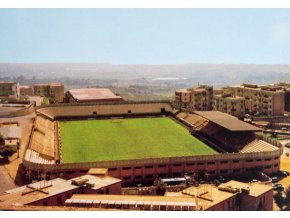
2	141
287	199
279	200
283	202
6	152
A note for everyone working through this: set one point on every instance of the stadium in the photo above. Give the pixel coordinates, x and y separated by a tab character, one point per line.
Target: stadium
139	141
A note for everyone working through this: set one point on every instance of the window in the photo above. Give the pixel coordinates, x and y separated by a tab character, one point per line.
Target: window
268	159
236	170
112	169
259	160
176	165
137	168
148	176
129	111
276	158
162	166
83	171
148	167
275	165
211	163
126	168
224	162
44	203
59	200
249	160
189	164
236	161
211	172
127	178
138	177
200	163
224	171
70	172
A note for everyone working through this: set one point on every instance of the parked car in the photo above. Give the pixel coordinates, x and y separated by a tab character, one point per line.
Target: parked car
278	187
274	179
284	173
221	179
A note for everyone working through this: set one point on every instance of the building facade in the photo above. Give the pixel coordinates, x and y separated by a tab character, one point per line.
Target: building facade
26	91
233	105
9	88
261	100
199	98
54	91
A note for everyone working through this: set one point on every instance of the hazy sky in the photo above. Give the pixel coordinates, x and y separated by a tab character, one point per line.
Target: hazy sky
145	36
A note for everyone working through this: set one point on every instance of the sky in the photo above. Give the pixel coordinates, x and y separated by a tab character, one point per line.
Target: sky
145	36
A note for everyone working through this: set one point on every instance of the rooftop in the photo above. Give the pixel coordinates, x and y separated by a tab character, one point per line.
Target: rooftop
256	188
93	94
207	195
35	191
227	121
98	171
133	200
8	82
55	84
258	146
11	132
97	181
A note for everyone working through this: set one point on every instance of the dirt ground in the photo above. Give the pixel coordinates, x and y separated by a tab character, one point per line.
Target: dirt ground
13	168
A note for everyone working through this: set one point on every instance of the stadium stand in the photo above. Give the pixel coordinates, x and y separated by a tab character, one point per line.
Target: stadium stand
258	146
95	110
43	137
34	157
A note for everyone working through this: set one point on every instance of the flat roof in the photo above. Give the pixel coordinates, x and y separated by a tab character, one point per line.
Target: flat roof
137	199
208	195
98	171
256	188
8	82
227	121
11	132
93	94
15	196
98	181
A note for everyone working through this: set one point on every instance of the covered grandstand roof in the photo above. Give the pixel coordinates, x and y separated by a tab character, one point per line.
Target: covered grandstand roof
227	121
90	94
258	146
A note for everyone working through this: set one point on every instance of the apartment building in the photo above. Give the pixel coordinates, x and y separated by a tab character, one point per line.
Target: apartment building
227	103
8	88
26	91
54	91
197	98
267	100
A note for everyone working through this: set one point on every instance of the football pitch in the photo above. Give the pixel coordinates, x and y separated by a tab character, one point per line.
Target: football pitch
127	139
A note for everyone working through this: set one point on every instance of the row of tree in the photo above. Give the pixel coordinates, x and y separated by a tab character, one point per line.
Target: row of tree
5	151
283	199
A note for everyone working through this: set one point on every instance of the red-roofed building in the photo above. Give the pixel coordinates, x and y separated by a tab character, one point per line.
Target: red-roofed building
91	95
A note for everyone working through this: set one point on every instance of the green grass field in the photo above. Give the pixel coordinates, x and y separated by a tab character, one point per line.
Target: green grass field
125	139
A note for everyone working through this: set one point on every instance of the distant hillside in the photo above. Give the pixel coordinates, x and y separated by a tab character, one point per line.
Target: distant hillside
216	74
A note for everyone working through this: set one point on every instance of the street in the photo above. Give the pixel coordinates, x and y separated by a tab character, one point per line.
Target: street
6	182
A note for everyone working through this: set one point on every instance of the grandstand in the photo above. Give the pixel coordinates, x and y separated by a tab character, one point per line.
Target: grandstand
242	151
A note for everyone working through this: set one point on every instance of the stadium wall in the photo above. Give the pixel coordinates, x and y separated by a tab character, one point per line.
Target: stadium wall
143	170
149	169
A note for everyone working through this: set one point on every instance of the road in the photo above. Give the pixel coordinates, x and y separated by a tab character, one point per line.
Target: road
6	182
